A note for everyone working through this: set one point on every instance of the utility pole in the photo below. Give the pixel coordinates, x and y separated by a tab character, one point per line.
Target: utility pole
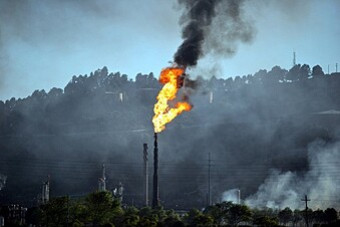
306	200
146	175
336	67
209	179
294	58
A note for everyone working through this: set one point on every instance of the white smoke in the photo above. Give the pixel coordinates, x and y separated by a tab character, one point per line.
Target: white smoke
3	179
321	182
232	195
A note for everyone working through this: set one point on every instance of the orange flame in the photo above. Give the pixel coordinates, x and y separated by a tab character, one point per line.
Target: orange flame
172	80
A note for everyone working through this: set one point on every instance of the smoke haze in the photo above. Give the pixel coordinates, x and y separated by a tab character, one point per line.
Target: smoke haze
231	195
320	182
249	123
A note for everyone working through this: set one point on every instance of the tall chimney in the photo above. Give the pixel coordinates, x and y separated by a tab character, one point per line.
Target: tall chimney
238	196
102	180
45	197
104	177
155	194
146	175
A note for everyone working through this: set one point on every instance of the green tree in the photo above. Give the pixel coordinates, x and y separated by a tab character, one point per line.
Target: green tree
309	214
147	222
318	216
297	216
260	75
101	207
108	225
77	223
285	216
160	213
331	215
304	72
55	212
129	218
227	212
317	71
265	221
171	221
238	213
195	218
276	74
78	214
147	217
293	73
215	212
218	211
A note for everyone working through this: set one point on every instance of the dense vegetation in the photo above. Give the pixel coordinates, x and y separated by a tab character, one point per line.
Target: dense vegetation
101	209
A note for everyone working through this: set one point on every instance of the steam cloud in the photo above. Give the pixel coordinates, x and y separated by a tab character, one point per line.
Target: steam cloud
232	195
211	26
320	182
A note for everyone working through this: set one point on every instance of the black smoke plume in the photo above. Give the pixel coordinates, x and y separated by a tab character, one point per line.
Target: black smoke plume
199	15
211	26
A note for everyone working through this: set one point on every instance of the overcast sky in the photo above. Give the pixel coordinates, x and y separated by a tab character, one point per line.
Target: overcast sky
44	43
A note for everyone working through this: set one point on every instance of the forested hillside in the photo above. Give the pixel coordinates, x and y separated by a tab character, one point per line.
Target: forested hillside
249	124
